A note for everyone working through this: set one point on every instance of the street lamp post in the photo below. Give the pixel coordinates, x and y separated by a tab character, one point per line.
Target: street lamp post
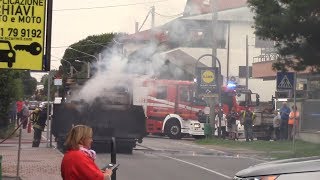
211	100
88	67
71	67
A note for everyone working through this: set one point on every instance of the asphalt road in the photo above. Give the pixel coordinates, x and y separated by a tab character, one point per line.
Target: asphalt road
167	159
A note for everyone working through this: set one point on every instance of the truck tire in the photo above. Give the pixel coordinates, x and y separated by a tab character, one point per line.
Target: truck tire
173	129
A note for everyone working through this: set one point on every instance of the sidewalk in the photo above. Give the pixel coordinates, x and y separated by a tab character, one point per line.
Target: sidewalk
35	163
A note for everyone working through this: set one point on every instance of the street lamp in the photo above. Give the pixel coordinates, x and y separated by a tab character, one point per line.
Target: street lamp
71	67
88	67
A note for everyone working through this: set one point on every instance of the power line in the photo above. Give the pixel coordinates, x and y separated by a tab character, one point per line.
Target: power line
110	6
169	16
145	20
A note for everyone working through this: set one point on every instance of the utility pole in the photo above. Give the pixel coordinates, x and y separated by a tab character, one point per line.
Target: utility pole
153	11
247	63
212	100
214	26
136	27
48	108
228	53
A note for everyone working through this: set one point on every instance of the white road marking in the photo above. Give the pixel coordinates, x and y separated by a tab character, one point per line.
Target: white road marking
197	146
198	166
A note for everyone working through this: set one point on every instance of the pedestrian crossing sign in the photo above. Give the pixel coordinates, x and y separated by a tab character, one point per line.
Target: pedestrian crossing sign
285	80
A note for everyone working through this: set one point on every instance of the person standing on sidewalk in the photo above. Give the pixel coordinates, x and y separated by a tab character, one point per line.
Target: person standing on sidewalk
38	118
24	116
276	125
78	161
247	119
284	113
19	105
232	123
293	119
223	128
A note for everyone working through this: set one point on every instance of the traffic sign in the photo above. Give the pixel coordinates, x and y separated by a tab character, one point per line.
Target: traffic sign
285	81
206	80
22	34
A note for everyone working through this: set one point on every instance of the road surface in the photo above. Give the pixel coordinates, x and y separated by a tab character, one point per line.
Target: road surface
167	159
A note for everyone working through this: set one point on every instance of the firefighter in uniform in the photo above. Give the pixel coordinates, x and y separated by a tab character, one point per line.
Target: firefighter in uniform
247	120
38	118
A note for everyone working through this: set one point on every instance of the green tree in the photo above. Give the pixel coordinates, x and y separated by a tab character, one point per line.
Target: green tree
13	91
93	45
294	25
29	83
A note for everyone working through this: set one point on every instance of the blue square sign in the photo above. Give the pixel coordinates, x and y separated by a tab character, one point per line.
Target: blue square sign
285	80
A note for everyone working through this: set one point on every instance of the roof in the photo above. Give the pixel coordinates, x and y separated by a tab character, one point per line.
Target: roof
197	7
183	60
241	14
147	35
203	9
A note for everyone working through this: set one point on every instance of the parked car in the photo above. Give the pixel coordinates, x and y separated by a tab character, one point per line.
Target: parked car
289	169
33	105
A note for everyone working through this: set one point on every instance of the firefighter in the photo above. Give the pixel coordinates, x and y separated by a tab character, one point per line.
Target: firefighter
232	123
38	118
248	117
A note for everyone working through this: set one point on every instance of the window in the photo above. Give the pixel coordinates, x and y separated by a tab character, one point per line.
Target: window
243	71
185	94
162	92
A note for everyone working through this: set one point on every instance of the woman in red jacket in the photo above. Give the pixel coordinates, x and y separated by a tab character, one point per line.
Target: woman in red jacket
78	162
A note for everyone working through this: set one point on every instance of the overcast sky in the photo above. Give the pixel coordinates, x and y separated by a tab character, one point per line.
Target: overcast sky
74	20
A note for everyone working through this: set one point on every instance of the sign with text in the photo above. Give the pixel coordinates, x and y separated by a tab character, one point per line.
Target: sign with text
206	80
22	34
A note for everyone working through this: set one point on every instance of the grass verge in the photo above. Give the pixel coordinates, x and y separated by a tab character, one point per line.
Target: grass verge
273	149
6	131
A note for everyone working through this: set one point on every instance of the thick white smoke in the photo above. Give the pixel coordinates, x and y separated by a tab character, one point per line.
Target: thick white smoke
116	70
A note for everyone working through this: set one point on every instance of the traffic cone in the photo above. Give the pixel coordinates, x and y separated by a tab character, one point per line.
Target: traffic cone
29	127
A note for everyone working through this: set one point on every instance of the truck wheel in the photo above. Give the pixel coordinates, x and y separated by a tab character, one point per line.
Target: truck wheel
173	129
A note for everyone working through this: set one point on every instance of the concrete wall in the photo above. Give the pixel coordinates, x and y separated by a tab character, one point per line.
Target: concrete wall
313	137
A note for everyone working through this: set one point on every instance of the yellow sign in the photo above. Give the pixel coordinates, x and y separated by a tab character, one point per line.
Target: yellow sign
207	76
22	34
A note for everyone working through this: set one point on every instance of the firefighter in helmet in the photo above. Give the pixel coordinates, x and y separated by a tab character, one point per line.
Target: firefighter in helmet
38	118
247	118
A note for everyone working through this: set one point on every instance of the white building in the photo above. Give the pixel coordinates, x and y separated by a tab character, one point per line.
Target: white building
238	20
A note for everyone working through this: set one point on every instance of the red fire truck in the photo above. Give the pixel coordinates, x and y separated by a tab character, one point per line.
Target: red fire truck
171	107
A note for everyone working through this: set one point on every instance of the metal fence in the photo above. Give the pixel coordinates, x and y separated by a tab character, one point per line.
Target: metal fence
310	115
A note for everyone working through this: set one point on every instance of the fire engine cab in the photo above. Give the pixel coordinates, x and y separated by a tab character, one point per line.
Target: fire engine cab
171	108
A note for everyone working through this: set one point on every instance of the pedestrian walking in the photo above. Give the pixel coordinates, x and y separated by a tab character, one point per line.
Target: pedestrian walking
78	161
276	125
293	119
223	128
19	105
24	116
284	114
247	120
13	112
232	124
38	118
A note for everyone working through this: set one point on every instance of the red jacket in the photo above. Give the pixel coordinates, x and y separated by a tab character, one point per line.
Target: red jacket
19	106
76	165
